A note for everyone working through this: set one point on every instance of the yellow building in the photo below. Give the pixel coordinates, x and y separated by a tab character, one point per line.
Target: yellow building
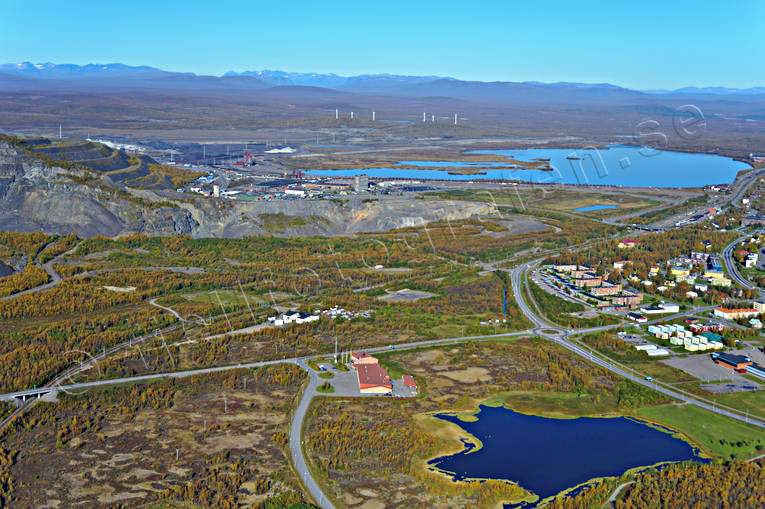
680	271
714	274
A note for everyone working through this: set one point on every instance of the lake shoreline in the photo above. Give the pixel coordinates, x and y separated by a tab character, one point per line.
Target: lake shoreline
471	444
617	166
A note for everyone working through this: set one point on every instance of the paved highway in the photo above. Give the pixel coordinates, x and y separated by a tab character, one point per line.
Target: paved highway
740	186
296	440
300	361
730	265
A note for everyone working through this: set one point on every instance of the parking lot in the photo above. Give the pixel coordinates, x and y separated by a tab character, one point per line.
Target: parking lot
634	339
346	383
726	387
702	366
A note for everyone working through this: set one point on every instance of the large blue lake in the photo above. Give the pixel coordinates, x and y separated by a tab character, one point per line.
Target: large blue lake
615	166
547	456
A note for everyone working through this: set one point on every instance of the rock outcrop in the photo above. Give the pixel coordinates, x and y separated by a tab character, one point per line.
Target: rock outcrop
37	197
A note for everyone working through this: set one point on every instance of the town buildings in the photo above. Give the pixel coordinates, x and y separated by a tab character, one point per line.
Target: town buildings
698	328
582	281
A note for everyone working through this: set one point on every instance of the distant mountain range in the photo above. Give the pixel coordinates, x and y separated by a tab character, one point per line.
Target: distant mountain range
105	77
26	76
712	91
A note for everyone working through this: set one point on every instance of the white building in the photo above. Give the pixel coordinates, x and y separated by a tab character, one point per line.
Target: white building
664	307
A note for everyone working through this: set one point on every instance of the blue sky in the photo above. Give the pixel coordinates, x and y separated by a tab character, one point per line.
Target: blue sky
640	45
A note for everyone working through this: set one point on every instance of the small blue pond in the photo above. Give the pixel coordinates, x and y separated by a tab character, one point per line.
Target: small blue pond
547	456
595	207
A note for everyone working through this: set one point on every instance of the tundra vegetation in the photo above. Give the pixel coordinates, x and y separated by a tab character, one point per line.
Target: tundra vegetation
215	440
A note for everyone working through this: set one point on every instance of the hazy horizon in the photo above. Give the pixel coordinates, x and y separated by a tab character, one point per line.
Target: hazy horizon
653	46
380	73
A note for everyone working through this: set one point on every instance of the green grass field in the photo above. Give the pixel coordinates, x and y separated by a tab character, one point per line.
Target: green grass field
753	402
715	434
561	405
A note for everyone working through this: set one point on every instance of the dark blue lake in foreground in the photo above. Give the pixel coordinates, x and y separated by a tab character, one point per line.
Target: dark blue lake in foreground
547	456
615	166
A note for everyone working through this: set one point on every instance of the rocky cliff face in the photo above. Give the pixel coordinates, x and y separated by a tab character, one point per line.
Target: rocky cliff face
36	197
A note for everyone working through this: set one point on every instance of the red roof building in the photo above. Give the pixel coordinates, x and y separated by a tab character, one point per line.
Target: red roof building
409	381
373	379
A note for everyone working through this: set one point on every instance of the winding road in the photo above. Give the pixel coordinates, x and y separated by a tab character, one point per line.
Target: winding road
47	267
732	268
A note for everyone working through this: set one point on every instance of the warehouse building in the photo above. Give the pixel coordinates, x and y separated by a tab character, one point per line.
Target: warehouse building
737	363
373	379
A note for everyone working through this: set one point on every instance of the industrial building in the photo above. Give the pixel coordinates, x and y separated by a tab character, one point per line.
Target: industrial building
737	363
275	185
360	183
